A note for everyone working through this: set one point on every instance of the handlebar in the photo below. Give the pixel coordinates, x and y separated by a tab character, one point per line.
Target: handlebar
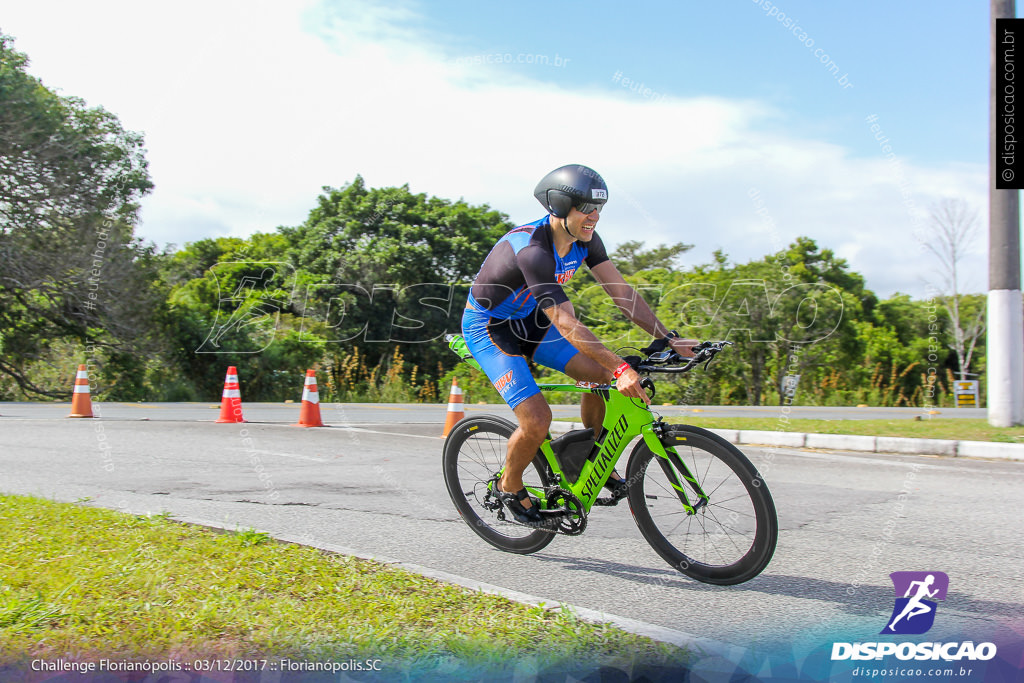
660	361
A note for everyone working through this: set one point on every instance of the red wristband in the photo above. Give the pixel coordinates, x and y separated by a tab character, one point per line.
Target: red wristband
621	369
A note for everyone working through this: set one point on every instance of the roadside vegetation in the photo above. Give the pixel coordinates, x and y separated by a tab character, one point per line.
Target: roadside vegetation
944	428
81	582
955	429
366	287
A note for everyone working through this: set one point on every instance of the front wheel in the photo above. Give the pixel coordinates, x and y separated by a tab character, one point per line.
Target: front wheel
473	455
731	535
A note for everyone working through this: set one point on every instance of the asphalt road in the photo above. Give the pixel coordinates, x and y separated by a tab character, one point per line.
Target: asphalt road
376	486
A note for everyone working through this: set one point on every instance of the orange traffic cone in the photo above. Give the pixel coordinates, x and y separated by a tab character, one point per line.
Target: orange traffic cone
81	401
231	399
455	411
309	414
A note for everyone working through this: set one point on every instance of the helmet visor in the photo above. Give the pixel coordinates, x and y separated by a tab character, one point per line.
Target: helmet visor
588	207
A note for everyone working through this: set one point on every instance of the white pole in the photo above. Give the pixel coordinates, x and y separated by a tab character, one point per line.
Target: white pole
1005	333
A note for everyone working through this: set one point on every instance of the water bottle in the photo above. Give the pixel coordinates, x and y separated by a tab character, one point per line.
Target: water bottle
458	346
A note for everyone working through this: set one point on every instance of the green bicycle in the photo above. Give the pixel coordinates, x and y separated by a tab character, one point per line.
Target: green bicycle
697	500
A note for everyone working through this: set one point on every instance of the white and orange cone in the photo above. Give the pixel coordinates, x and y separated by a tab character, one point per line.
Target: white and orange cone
81	401
455	409
309	414
231	399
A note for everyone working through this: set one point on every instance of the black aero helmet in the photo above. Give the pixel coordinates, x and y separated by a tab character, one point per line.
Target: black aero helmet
571	186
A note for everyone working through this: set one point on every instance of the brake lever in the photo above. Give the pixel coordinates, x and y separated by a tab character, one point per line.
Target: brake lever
711	353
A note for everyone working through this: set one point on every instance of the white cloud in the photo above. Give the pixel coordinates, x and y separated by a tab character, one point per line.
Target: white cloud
249	108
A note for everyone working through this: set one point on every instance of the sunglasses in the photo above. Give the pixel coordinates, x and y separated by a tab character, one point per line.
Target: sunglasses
588	208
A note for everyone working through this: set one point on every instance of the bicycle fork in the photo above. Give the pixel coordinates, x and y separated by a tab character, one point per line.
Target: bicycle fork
671	464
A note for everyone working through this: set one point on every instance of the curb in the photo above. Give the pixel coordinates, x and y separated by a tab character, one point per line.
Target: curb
640	628
865	444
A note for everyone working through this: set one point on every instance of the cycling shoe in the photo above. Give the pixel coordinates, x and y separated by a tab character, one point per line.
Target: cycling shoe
618	487
529	516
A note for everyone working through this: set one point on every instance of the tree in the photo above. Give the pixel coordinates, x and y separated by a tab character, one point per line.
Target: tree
70	181
816	308
383	266
953	229
786	313
631	257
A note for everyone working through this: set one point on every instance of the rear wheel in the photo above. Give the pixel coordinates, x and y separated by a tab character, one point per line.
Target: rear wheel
730	538
473	455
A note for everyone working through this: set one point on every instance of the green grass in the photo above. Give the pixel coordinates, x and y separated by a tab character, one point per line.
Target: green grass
88	582
955	429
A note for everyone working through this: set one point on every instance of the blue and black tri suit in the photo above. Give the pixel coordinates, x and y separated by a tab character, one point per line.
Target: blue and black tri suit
504	323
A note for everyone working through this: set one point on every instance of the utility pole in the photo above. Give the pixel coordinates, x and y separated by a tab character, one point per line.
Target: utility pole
1005	361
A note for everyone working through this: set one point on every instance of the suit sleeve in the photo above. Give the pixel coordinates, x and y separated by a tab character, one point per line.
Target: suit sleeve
596	253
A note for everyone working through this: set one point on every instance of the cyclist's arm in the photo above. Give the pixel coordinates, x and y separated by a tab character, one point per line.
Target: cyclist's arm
538	268
634	307
577	334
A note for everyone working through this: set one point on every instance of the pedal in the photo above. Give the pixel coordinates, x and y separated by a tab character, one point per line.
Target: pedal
512	520
607	501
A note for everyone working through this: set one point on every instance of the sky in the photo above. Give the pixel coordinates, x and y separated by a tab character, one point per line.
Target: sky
735	126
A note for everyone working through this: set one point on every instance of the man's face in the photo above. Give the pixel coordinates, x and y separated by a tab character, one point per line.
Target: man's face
581	225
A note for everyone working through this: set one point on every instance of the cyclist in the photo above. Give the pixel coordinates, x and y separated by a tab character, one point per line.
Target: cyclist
517	311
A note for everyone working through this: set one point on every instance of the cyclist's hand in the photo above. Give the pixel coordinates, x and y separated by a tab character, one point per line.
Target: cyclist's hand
628	384
684	347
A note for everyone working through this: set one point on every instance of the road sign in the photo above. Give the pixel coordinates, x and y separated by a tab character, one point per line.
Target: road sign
966	393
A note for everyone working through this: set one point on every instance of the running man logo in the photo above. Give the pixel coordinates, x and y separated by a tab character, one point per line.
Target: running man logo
503	381
914	612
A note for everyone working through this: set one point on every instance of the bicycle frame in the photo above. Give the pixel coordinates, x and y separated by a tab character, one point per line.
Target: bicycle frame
624	420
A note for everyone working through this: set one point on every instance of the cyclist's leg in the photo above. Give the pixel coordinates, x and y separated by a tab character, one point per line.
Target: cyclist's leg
534	417
585	369
497	348
556	352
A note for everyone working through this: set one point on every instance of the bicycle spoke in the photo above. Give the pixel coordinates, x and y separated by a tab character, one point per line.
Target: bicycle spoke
738	512
738	496
473	457
717	540
723	526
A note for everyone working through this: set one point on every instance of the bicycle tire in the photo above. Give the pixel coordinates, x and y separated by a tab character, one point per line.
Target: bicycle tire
473	453
728	541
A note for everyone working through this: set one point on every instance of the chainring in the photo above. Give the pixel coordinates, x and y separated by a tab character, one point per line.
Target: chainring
574	522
